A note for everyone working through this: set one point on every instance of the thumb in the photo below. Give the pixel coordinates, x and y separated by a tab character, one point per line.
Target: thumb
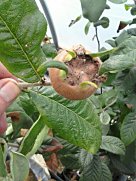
8	92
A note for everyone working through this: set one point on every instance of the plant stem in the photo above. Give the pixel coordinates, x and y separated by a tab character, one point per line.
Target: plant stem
98	41
109	105
25	85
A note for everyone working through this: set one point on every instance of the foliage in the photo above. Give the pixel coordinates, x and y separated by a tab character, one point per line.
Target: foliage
97	136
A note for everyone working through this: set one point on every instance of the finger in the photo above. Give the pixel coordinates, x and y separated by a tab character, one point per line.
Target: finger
8	92
4	73
3	123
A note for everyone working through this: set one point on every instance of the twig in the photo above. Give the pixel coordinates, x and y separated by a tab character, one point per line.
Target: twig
25	85
98	41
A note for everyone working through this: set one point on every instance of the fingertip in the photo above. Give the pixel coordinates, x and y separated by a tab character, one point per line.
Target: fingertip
3	124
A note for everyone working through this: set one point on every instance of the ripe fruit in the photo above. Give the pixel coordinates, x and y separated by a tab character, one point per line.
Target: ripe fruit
82	79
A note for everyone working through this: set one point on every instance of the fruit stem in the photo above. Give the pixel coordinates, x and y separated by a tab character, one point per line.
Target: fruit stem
25	85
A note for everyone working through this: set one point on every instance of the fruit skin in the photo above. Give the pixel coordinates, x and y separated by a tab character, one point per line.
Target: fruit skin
68	91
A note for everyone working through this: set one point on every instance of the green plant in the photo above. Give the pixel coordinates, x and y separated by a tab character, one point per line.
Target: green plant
98	134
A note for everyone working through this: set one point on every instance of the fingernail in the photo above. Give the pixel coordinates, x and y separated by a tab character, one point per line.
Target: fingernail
9	91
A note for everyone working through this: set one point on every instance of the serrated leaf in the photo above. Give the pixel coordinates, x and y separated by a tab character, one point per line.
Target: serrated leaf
128	129
19	166
22	28
130	158
91	11
85	158
70	161
113	145
75	121
105	173
92	171
34	138
105	118
68	148
118	1
119	165
123	58
87	27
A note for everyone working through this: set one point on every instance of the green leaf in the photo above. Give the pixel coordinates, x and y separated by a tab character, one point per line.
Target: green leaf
111	43
49	50
70	161
34	137
3	171
75	21
108	97
91	11
85	158
128	129
128	6
129	160
92	171
95	170
123	58
118	1
119	165
19	166
133	22
133	10
87	27
75	121
129	81
105	118
113	145
105	173
104	22
22	28
107	6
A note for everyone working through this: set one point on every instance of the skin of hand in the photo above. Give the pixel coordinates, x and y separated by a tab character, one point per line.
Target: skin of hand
8	93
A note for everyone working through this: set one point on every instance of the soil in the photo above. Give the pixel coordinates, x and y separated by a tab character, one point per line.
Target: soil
82	68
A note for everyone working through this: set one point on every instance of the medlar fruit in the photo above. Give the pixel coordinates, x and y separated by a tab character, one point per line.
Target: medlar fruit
82	79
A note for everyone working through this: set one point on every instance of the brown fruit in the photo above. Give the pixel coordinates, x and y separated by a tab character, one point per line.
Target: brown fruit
82	68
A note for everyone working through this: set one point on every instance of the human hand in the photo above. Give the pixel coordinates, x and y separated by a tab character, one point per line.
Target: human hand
8	92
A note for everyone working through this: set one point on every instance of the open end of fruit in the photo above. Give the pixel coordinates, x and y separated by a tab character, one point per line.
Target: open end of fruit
82	68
